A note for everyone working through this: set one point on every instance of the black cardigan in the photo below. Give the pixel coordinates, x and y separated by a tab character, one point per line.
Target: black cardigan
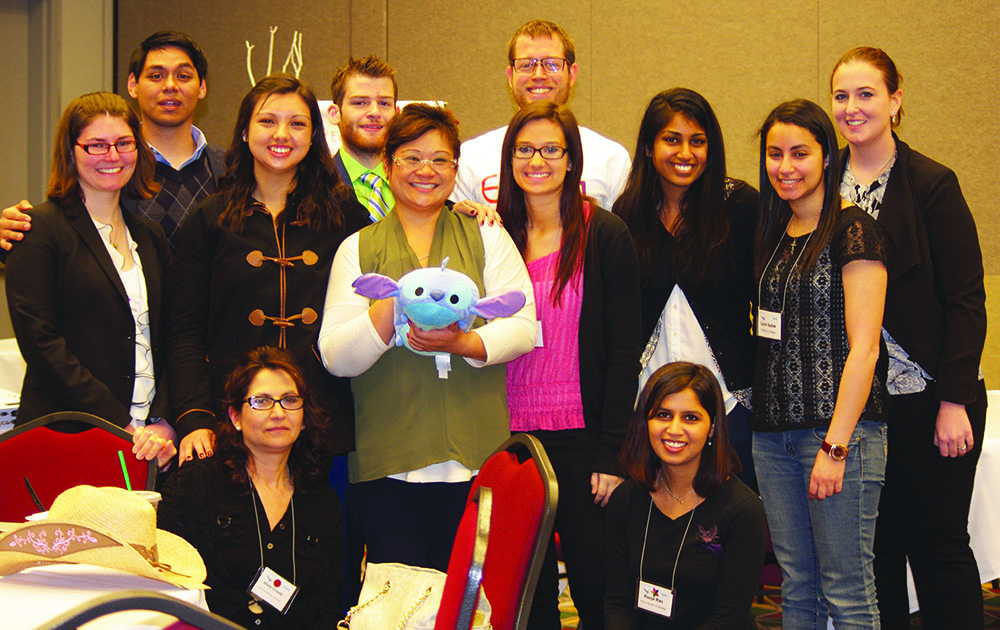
71	317
722	300
935	304
609	337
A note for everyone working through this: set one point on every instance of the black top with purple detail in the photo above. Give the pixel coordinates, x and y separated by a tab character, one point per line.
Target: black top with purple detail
718	568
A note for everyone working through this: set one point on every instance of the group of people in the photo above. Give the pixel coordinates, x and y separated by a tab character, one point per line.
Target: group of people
817	341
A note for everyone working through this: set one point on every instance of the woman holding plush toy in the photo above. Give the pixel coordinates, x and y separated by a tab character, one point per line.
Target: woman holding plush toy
421	436
575	390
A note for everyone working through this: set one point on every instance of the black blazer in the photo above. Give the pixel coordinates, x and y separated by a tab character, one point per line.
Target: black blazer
338	164
936	298
71	316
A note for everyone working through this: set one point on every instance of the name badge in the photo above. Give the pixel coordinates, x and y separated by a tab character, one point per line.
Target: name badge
272	589
539	343
655	599
769	324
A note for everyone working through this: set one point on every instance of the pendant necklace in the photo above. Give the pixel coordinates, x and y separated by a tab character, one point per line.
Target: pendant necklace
666	487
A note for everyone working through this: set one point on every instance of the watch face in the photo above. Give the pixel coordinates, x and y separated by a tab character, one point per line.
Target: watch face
838	452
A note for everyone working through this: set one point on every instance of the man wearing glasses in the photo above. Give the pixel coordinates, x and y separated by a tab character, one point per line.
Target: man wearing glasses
167	78
542	67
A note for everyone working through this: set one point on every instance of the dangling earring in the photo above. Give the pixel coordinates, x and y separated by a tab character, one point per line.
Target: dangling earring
244	137
709	440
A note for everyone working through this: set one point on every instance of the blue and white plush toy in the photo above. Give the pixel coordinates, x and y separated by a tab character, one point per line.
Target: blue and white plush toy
433	298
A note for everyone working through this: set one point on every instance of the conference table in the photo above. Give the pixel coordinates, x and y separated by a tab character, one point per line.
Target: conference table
11	376
37	595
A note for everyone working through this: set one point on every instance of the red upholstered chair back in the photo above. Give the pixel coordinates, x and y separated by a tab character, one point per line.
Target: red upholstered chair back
465	567
54	460
525	495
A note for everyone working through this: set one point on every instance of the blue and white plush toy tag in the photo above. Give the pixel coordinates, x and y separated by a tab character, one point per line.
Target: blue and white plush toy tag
433	298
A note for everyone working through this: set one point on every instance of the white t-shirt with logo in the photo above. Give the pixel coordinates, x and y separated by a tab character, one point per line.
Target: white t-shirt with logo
606	166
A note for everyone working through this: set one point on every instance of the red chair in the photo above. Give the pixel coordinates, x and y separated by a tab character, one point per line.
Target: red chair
62	450
189	617
465	567
525	494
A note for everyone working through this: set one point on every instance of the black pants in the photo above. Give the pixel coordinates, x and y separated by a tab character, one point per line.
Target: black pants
924	516
582	534
411	523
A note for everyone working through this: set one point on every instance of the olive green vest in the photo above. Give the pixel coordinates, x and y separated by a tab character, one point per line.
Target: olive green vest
406	417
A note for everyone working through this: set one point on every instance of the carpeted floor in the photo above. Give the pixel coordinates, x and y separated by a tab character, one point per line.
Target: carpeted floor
768	613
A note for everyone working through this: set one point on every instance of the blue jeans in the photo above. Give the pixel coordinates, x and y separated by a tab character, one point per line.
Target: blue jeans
824	548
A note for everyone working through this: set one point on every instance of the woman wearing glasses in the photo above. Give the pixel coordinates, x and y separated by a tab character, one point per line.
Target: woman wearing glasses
575	390
420	438
85	291
263	501
252	261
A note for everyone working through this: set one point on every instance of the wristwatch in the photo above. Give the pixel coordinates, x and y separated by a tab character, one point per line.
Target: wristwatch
837	452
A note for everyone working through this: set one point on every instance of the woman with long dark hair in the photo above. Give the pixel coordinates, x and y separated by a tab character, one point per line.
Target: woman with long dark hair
262	502
935	328
819	401
574	391
693	231
682	525
253	260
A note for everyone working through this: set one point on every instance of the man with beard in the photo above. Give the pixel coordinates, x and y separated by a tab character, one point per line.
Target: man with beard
541	67
364	100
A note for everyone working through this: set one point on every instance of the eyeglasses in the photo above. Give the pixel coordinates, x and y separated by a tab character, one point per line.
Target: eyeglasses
551	65
548	152
412	163
125	145
263	403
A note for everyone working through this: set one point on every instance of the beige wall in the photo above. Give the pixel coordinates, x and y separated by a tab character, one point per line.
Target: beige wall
52	51
745	57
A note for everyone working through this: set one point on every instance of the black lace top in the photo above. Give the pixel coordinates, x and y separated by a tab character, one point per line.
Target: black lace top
797	377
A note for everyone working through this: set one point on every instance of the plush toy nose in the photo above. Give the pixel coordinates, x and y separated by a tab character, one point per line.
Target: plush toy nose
437	294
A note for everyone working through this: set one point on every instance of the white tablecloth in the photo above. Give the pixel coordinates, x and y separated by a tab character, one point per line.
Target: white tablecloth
11	365
36	595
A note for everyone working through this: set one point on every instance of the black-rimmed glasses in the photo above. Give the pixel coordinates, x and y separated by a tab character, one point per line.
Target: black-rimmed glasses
550	65
263	403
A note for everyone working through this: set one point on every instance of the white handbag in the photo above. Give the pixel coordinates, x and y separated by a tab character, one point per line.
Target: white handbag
401	597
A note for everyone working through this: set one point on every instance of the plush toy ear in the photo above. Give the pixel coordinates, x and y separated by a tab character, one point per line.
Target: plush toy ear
503	305
375	286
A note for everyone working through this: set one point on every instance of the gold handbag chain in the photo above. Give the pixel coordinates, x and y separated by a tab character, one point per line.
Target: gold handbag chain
345	623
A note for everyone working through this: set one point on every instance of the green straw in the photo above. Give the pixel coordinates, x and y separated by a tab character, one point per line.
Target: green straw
128	483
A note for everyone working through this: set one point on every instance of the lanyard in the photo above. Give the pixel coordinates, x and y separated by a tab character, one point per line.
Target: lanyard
642	557
260	540
784	292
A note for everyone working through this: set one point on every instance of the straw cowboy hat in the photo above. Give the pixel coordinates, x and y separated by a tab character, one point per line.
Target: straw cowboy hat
107	527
